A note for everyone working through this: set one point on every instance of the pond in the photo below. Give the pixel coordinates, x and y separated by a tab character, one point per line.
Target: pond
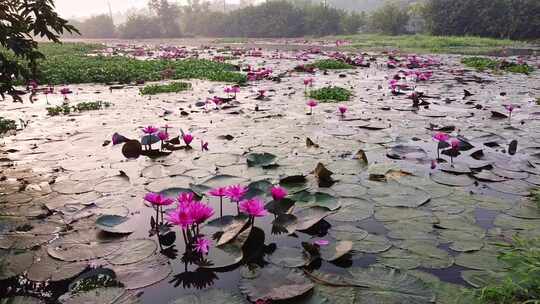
398	195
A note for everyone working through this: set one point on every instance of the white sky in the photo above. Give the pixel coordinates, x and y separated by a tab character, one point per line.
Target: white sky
84	8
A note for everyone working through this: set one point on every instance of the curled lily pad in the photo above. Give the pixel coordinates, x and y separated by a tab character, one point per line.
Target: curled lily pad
214	296
227	254
284	223
280	207
115	224
289	257
228	227
275	283
294	183
305	218
261	159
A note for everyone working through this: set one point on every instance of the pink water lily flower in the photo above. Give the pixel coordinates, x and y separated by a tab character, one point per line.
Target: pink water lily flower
202	245
180	217
157	199
188	138
163	136
455	143
278	193
253	207
218	192
186	198
322	242
441	136
308	81
510	108
150	130
311	104
342	110
200	212
236	193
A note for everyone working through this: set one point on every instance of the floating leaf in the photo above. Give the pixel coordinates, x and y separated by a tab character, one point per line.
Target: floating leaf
453	180
335	250
305	218
214	296
305	199
372	243
294	183
275	283
353	210
228	254
132	251
289	257
280	207
105	295
323	176
13	263
115	224
261	159
46	268
143	273
229	227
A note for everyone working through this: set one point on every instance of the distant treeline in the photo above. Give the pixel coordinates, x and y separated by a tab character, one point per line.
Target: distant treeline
517	19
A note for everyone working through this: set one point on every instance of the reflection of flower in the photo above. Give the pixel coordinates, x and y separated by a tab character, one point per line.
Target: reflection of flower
199	279
322	242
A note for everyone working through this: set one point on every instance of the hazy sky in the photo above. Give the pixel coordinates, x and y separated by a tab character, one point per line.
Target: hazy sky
83	8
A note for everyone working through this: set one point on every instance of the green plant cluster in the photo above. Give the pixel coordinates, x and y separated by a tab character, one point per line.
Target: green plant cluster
68	64
482	63
522	282
331	94
7	125
80	107
174	87
330	64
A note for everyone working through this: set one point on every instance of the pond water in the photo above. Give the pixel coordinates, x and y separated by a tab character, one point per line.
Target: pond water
418	228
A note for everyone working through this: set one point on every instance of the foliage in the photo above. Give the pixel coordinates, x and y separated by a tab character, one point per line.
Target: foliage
517	19
140	26
68	64
331	94
432	44
7	125
168	16
20	22
536	193
330	64
482	63
389	19
174	87
322	20
99	26
80	107
522	282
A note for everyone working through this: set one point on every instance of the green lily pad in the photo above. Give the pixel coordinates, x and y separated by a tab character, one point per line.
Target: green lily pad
335	250
275	283
426	252
305	199
480	260
46	268
348	233
280	207
227	254
143	273
261	159
462	241
305	218
399	259
214	296
516	187
132	251
105	295
294	183
453	180
372	243
115	224
353	210
393	194
223	180
258	189
481	278
21	300
289	257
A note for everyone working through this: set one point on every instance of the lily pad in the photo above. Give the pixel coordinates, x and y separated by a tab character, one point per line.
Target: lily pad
21	300
280	207
115	224
46	268
348	233
132	251
13	263
260	159
353	210
305	218
305	199
294	183
105	295
214	296
289	257
229	227
480	260
516	187
275	283
223	180
372	243
228	254
335	250
453	180
143	273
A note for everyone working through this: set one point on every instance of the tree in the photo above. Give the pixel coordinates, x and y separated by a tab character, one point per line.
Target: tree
20	22
100	26
391	19
140	26
168	16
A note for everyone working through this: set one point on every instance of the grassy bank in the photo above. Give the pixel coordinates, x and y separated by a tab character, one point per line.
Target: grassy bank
68	64
432	44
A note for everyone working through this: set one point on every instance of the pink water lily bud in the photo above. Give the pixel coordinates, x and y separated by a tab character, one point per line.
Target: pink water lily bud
441	136
278	193
188	138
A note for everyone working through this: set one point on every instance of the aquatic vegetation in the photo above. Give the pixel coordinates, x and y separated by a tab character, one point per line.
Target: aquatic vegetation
187	138
482	63
67	109
278	193
342	110
442	139
331	94
510	108
536	197
174	87
7	125
330	64
253	207
521	284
